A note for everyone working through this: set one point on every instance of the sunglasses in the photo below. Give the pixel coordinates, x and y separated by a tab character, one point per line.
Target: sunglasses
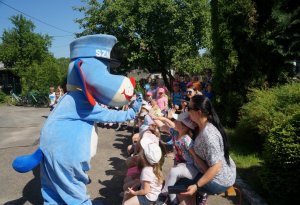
189	92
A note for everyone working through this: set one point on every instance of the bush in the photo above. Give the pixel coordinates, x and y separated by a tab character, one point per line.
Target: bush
267	109
281	169
2	97
273	118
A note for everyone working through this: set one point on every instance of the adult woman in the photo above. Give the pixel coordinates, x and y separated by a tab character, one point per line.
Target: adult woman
212	146
191	91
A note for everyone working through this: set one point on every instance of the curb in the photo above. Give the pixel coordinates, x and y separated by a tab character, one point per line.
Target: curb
248	194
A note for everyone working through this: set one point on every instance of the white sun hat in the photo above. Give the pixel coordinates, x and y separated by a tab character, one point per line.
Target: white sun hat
151	149
185	119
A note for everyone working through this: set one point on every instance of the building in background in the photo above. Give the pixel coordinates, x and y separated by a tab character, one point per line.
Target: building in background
9	81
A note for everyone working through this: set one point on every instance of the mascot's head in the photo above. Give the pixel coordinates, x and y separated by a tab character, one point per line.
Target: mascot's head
89	71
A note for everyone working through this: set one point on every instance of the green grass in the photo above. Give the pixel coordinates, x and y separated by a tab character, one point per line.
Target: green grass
246	154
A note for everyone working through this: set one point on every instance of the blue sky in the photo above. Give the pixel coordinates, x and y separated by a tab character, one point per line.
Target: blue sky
57	13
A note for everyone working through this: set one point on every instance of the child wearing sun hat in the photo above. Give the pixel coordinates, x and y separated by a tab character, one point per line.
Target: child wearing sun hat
151	177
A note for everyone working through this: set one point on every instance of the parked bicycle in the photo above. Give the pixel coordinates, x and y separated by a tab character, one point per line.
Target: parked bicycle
17	99
31	99
38	100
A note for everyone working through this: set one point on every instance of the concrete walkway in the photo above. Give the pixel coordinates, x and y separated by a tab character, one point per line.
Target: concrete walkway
19	134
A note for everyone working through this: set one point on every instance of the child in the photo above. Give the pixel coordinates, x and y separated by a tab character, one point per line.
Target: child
209	92
187	164
61	90
51	98
147	130
151	176
162	100
132	149
176	97
161	84
153	89
148	97
155	109
57	95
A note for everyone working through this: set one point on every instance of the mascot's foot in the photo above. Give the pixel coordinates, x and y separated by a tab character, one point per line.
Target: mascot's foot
27	163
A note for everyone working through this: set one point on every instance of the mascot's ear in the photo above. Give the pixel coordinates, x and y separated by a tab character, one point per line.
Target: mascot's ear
90	98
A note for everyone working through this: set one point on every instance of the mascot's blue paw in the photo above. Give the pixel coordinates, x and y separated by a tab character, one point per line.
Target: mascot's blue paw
26	163
136	106
139	96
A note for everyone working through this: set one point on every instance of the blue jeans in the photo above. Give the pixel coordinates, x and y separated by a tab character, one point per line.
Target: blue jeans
210	188
143	200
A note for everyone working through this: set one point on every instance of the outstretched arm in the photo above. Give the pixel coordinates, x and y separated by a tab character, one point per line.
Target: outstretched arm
102	114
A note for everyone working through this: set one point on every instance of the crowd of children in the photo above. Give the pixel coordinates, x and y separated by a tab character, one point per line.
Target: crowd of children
163	112
183	88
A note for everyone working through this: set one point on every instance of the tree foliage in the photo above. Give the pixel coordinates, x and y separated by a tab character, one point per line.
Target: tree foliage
271	118
155	35
25	53
21	46
38	77
254	44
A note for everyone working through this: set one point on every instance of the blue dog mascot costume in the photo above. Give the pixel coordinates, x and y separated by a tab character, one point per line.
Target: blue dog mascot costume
68	139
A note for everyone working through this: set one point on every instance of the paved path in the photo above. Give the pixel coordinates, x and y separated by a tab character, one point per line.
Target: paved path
19	133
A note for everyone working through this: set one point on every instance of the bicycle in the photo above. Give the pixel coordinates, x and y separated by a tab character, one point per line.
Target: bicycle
15	99
38	100
31	99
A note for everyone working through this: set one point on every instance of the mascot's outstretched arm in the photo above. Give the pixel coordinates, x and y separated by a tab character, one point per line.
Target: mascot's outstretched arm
68	135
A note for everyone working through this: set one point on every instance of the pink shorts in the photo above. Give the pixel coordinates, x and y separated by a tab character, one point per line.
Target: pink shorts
132	171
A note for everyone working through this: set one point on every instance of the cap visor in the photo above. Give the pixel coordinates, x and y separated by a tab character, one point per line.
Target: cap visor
113	63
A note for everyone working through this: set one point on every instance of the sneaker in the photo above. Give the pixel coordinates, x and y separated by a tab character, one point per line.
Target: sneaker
162	200
201	199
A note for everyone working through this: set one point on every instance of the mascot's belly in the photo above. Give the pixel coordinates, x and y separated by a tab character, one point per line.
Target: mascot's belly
67	138
68	143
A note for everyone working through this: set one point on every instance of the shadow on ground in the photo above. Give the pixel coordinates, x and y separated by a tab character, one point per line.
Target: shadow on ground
31	191
112	188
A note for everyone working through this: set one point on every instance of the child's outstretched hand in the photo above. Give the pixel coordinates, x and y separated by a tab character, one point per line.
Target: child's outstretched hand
137	104
139	96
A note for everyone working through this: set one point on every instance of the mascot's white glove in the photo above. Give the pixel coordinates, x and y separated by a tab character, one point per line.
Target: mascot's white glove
137	104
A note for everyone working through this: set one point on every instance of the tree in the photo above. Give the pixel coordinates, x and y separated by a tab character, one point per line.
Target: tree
249	50
26	54
156	35
284	20
38	77
21	46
